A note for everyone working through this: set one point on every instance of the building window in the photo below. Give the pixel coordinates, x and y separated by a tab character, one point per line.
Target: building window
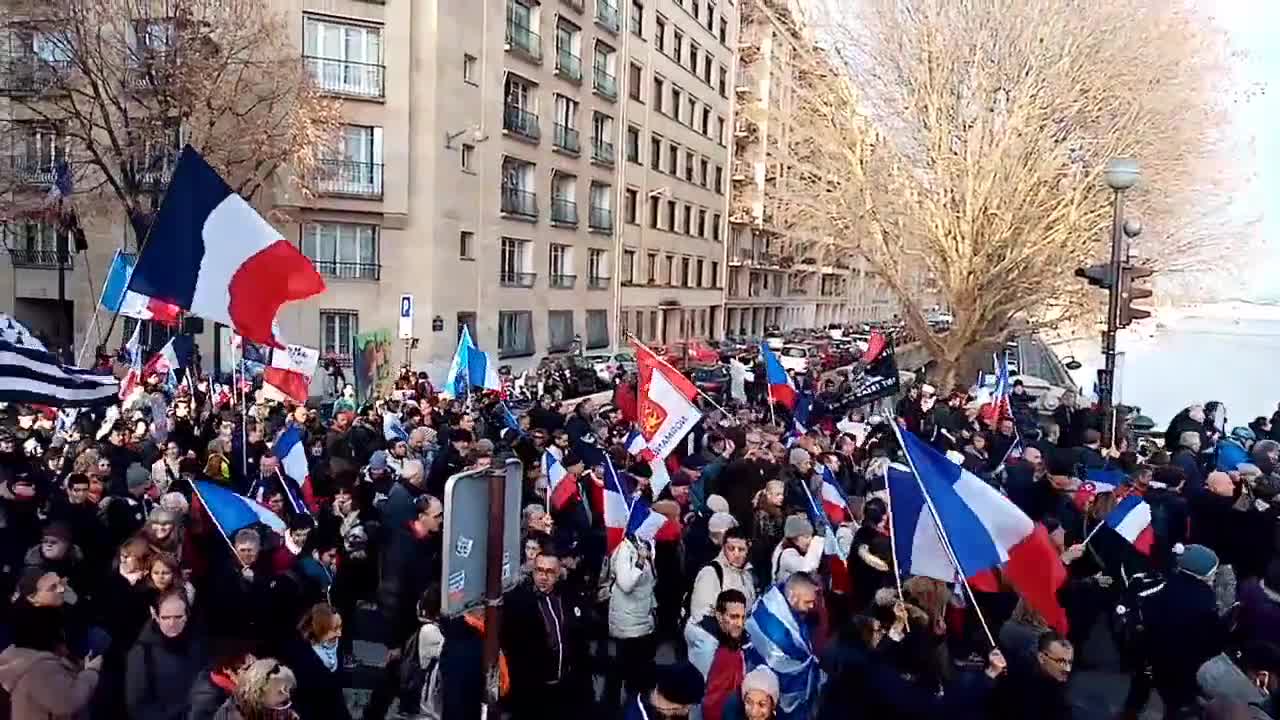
356	166
703	174
344	58
338	330
655	152
657	95
520	114
518	196
568	50
559	330
628	266
636	21
697	273
466	243
597	329
720	130
715	274
724	82
673	159
702	223
342	250
715	226
652	271
660	33
630	199
695	52
560	267
719	179
468	157
633	144
653	212
635	78
653	325
684	272
687	223
564	194
677	97
671	216
469	71
566	125
690	165
515	333
705	126
677	45
601	207
671	269
513	263
603	62
597	269
706	68
724	30
466	319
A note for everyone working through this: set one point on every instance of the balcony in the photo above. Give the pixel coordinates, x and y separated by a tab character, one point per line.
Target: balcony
519	202
153	174
575	4
512	278
600	219
149	69
350	178
348	270
33	171
348	78
602	152
568	66
39	258
523	41
564	212
566	139
598	283
607	16
562	282
521	122
741	171
30	75
605	85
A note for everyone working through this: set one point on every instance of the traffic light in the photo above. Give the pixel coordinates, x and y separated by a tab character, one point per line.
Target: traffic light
1097	275
1129	293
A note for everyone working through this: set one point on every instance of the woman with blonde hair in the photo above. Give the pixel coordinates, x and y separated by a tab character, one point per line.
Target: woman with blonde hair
313	655
264	691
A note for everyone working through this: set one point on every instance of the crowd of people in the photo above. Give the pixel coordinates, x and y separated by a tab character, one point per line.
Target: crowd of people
127	601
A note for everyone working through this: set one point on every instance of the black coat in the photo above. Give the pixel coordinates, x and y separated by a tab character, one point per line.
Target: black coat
206	698
448	462
1028	693
319	692
461	671
408	566
528	644
1182	630
161	672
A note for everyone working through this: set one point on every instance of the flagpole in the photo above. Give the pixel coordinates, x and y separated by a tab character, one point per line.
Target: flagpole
942	535
706	397
244	415
88	335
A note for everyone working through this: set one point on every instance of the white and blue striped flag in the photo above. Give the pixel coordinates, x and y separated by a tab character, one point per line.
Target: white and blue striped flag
780	640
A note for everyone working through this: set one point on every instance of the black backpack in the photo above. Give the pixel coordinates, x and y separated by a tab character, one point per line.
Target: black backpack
1128	622
687	600
412	675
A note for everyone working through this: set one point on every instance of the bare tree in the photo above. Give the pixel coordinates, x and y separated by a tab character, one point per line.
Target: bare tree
116	87
958	146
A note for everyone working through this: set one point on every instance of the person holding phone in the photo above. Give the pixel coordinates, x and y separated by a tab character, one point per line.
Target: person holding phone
42	679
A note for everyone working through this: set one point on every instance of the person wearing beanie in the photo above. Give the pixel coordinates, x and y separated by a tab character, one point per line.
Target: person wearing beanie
1183	628
798	551
758	699
126	514
679	688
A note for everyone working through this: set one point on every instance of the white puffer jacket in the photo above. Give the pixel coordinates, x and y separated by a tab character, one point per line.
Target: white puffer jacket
631	600
707	587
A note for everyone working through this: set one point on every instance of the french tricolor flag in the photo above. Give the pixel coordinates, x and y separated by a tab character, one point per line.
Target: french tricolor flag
834	502
1132	519
213	255
292	453
117	297
561	486
624	516
781	390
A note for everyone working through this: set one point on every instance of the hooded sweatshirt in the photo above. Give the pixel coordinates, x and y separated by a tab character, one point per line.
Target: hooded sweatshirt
42	685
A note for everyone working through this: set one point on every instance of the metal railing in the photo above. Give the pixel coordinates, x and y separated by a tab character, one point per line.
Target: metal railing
32	171
564	211
155	173
511	278
518	201
347	77
562	282
38	258
566	138
348	270
568	65
30	74
524	40
521	122
605	84
349	177
598	283
607	16
599	218
602	151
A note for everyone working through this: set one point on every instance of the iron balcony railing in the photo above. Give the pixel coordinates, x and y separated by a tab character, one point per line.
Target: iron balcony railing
562	282
349	270
605	84
564	211
38	258
607	15
600	219
521	122
33	171
518	201
598	283
347	77
602	151
350	177
522	39
511	278
566	138
568	65
26	74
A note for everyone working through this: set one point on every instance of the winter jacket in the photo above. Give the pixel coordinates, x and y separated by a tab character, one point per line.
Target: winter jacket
1182	631
1259	612
207	697
461	671
409	564
1230	454
544	638
707	586
231	711
161	671
787	560
721	661
1219	677
631	598
319	691
43	686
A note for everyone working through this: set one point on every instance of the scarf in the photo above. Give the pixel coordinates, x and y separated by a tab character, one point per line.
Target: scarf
328	654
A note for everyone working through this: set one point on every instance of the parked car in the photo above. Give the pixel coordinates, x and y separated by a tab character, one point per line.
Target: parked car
713	381
580	374
799	358
608	364
690	353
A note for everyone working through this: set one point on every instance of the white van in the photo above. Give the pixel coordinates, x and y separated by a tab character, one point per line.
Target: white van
798	358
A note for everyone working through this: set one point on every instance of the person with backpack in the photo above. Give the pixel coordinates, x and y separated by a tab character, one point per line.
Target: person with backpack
729	570
420	697
544	637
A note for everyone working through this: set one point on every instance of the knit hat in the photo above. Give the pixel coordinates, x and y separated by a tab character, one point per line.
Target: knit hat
176	502
798	455
720	522
1198	560
680	683
162	516
378	461
422	436
137	477
717	504
763	680
412	470
795	526
58	530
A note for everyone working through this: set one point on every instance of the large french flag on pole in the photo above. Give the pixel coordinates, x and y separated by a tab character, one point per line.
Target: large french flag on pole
1132	519
117	297
664	402
948	522
292	453
233	512
213	255
781	389
623	516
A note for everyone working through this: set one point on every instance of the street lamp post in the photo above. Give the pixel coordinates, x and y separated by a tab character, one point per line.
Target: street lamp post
1120	175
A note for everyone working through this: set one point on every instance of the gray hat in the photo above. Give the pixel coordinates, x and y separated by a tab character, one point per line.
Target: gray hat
795	526
137	476
721	522
762	679
717	504
1198	560
798	455
378	461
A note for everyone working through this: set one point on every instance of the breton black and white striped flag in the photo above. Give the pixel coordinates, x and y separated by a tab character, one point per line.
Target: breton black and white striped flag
33	375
